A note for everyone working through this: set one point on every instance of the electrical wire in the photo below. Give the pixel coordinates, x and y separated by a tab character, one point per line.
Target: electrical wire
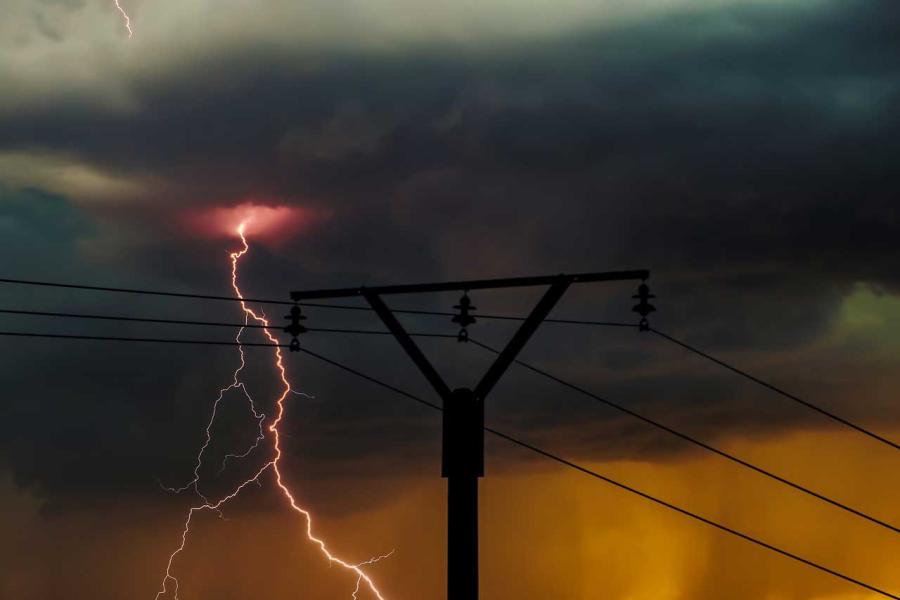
778	390
42	313
99	288
109	338
129	319
695	441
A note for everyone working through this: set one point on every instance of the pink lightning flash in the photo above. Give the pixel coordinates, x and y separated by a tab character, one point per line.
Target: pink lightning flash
169	586
125	17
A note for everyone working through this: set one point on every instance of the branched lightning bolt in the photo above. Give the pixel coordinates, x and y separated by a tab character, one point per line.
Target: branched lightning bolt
259	438
371	561
235	384
272	464
125	17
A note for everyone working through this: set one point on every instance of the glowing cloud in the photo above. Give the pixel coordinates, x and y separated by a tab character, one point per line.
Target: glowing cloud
266	223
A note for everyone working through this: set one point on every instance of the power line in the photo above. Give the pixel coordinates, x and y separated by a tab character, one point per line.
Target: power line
432	313
129	319
696	441
41	313
371	379
98	288
109	338
611	481
692	515
777	390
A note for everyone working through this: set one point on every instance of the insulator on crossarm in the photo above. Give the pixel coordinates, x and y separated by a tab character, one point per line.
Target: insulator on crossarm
295	328
464	318
643	307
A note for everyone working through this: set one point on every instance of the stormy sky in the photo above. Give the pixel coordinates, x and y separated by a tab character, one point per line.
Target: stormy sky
745	151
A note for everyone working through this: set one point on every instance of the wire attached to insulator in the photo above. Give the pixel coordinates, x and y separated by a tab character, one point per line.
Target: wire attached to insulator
643	307
295	328
464	319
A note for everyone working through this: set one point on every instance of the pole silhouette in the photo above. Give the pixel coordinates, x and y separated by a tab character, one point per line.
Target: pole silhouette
462	460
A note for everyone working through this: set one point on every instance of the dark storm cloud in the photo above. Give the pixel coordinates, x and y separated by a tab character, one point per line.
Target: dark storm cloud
721	137
748	155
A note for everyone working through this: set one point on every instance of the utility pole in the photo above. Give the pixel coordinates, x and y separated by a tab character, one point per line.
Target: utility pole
462	462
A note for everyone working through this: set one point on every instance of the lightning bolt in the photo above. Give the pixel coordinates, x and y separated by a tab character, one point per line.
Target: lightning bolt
235	384
169	585
371	561
125	17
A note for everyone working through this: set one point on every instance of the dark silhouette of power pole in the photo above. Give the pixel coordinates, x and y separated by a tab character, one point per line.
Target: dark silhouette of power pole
462	461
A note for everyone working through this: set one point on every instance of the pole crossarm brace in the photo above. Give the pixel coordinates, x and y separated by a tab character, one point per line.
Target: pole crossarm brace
474	284
420	360
521	337
500	364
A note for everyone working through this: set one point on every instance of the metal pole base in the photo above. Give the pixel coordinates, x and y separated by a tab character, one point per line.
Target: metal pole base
462	538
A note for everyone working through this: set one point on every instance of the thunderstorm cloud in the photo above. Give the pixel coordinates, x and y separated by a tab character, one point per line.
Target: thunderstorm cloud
746	151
